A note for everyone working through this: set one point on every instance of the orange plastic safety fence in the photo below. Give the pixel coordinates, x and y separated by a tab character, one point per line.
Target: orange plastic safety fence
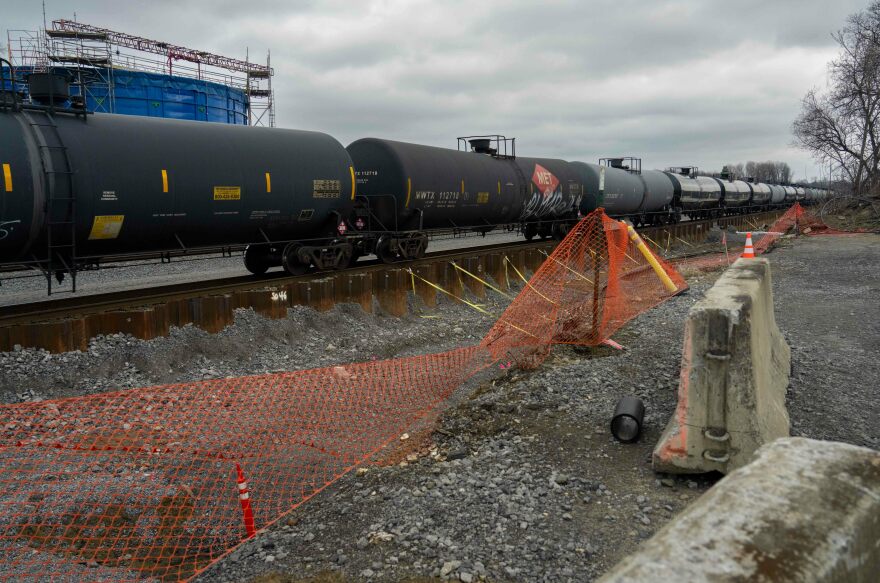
158	483
796	217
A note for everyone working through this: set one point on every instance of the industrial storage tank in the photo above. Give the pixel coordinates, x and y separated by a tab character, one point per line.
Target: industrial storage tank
147	185
155	95
148	94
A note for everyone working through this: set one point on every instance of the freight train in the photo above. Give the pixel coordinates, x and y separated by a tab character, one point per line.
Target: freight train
78	188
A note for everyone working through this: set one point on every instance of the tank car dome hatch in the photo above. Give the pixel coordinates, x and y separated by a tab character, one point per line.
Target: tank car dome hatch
482	146
683	170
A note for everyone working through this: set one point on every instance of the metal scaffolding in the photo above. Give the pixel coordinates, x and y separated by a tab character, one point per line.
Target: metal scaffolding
93	53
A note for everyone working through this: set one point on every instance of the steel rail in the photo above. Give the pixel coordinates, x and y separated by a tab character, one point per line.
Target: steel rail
78	306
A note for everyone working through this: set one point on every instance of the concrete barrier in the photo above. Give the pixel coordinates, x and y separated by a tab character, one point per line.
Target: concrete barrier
734	374
804	511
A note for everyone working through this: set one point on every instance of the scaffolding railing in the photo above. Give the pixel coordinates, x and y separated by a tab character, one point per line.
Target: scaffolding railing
92	53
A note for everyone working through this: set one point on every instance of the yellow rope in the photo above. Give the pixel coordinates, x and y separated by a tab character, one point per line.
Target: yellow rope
527	282
481	280
683	241
450	294
653	242
585	278
474	306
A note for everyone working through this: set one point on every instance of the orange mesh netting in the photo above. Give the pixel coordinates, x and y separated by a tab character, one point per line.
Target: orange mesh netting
160	482
805	221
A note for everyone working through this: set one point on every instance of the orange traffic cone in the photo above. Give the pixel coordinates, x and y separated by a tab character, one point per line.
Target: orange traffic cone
244	496
749	251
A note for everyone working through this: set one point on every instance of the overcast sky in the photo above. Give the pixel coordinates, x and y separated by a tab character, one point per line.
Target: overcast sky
674	82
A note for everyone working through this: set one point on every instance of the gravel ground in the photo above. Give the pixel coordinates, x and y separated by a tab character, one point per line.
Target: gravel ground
29	286
520	481
252	345
826	291
526	483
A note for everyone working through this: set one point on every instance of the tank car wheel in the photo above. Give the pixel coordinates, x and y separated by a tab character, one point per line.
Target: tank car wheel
384	251
423	247
420	245
530	230
346	257
256	259
291	262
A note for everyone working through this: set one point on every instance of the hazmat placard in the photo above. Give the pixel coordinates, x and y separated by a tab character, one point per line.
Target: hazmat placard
227	193
106	227
326	188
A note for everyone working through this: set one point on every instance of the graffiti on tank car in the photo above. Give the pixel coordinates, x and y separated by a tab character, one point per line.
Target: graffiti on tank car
6	228
544	180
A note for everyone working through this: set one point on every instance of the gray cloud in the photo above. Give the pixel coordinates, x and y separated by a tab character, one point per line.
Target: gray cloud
688	81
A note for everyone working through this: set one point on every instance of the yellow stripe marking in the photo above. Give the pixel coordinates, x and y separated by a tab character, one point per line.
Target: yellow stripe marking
408	191
499	187
353	182
164	180
462	185
7	177
268	182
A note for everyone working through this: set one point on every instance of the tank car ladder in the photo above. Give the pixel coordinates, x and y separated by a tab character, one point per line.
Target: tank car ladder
60	205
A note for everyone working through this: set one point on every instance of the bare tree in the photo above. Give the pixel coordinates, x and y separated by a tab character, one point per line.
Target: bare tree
782	172
768	171
841	126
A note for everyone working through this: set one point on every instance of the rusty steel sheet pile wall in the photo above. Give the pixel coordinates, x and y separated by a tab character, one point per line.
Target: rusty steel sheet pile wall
144	483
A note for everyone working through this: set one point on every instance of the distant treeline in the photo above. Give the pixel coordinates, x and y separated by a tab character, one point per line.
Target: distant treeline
769	171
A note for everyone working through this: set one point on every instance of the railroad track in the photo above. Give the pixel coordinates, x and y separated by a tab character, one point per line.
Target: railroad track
62	324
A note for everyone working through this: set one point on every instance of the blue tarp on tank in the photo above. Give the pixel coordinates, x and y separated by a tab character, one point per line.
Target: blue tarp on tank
153	95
